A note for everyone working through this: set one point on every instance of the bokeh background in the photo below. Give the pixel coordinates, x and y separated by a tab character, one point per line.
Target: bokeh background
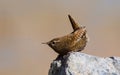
25	24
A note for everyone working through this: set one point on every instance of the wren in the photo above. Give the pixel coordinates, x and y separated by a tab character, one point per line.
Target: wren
73	42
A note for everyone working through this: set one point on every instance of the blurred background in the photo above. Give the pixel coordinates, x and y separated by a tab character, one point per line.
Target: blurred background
25	24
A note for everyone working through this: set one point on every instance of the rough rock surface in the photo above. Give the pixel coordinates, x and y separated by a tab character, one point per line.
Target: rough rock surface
77	63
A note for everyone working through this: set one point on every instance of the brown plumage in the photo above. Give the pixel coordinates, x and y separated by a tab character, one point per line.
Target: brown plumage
75	41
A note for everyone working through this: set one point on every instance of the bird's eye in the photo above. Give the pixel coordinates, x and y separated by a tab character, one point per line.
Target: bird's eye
53	42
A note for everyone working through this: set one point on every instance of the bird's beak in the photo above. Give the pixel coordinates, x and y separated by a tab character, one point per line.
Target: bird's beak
45	43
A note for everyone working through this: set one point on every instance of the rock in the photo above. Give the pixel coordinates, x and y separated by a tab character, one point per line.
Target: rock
76	63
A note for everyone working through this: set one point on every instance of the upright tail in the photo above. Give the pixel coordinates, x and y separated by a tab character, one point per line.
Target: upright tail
75	26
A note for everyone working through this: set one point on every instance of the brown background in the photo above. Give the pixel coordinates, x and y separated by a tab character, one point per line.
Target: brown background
25	24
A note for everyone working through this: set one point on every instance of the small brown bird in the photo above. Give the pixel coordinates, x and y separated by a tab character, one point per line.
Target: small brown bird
75	41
